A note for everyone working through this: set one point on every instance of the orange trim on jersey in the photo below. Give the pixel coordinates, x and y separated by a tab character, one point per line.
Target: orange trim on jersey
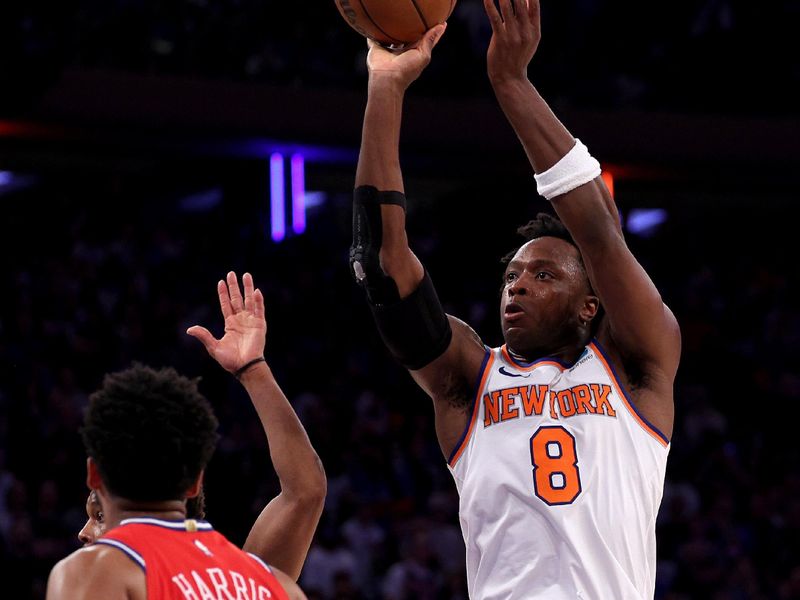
531	367
655	433
477	404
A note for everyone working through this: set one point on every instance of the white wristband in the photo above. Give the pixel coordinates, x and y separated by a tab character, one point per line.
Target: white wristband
574	169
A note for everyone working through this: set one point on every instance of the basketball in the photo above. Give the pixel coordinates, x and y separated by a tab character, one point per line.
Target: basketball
394	23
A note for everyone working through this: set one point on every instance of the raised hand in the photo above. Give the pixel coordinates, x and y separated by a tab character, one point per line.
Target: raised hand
245	325
406	65
516	32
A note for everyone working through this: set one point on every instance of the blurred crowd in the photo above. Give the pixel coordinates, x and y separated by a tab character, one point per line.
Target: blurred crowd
88	290
96	276
702	55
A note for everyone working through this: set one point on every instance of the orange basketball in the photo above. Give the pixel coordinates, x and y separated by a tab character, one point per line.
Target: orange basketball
394	23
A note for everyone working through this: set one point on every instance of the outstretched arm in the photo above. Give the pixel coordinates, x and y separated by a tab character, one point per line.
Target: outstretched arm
404	302
640	329
390	74
283	531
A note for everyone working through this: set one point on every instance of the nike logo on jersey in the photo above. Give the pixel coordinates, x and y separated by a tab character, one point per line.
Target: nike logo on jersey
503	371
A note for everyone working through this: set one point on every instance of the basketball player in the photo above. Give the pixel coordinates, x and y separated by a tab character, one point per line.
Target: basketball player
149	435
558	439
283	532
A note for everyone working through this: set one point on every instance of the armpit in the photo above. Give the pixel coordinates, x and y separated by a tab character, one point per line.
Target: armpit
456	391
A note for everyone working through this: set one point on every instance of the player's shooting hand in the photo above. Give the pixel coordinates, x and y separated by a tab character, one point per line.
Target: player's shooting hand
245	324
516	32
404	66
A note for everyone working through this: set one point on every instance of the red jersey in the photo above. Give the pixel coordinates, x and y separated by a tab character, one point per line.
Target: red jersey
188	560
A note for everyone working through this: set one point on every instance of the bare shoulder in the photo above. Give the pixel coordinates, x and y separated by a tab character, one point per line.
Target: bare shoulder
98	571
450	378
471	345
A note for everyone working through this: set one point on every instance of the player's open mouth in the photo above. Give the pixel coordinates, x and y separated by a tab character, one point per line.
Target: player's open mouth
513	312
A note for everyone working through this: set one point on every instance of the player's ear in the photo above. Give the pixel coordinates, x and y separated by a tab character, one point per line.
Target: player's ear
194	489
93	479
591	304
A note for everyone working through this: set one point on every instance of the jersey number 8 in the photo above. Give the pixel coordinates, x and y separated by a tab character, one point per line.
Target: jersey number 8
556	478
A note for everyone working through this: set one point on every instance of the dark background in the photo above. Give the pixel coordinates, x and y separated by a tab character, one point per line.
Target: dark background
134	172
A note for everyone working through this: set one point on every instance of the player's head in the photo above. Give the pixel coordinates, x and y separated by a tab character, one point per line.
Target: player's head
150	433
547	301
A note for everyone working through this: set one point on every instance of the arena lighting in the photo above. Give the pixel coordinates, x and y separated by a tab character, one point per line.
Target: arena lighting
25	130
11	182
300	154
298	166
608	179
277	197
645	221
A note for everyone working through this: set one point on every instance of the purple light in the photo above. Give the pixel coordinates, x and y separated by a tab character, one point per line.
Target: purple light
298	193
645	221
277	197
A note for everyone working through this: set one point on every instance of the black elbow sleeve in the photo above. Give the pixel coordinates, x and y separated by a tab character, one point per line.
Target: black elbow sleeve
367	240
416	329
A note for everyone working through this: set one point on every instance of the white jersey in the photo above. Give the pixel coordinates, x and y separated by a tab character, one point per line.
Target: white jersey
560	480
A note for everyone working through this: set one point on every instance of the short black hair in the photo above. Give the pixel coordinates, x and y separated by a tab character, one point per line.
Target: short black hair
150	432
544	225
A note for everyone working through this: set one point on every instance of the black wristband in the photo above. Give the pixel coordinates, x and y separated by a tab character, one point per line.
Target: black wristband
240	371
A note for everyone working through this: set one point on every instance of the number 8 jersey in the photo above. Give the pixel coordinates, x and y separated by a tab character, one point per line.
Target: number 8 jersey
560	480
